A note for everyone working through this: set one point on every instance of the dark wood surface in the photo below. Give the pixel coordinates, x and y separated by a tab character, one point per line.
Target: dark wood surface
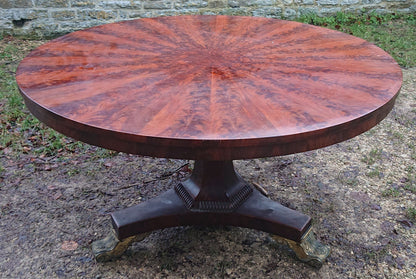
209	87
168	210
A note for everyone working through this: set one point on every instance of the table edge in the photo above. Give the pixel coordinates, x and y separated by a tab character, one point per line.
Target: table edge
212	149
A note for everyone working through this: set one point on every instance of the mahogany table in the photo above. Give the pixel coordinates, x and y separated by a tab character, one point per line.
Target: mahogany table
211	89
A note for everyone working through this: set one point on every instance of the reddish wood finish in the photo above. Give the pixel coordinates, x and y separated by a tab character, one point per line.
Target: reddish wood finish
209	87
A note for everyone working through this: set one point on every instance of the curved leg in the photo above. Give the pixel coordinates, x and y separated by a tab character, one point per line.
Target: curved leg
308	250
111	247
213	195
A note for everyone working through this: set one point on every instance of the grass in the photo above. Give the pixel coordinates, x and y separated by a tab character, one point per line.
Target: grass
410	187
410	183
349	180
375	173
411	213
377	253
372	157
391	192
395	33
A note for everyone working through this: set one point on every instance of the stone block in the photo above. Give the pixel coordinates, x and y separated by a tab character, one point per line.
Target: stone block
264	2
70	26
240	3
251	3
354	9
382	11
368	8
289	13
5	25
327	2
119	4
208	12
233	4
184	4
63	15
274	12
308	11
158	5
83	3
169	12
28	14
349	2
97	14
371	1
235	12
10	4
396	6
217	3
306	2
154	13
135	14
51	3
46	28
329	11
123	14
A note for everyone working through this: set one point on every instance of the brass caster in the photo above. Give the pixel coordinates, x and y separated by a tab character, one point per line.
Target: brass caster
308	250
111	247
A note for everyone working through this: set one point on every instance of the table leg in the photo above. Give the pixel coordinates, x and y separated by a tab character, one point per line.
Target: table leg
213	195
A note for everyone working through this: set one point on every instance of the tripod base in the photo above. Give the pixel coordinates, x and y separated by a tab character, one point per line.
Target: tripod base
214	195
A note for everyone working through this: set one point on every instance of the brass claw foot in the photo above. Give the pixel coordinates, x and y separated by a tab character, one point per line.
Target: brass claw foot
308	250
111	247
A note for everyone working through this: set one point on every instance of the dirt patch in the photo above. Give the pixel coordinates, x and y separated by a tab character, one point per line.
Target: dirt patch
360	194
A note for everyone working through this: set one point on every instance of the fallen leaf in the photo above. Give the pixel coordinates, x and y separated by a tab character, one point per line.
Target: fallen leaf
51	187
57	195
69	245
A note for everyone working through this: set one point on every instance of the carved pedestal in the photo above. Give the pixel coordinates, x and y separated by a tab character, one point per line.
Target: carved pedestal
213	195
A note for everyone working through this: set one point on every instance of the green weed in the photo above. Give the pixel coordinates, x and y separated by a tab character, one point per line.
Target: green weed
378	253
375	173
73	172
348	179
410	187
395	33
372	157
391	192
411	213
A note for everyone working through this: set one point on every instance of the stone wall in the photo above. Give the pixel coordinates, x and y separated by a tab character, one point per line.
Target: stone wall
49	18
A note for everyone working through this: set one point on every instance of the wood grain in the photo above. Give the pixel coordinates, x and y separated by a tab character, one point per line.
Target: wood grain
209	87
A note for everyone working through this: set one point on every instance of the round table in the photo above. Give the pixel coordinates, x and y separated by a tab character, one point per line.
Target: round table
211	89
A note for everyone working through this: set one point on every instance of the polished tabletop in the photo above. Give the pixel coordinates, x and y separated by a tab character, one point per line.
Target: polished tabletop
209	87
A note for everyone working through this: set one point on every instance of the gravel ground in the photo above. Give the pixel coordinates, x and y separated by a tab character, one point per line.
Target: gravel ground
360	194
